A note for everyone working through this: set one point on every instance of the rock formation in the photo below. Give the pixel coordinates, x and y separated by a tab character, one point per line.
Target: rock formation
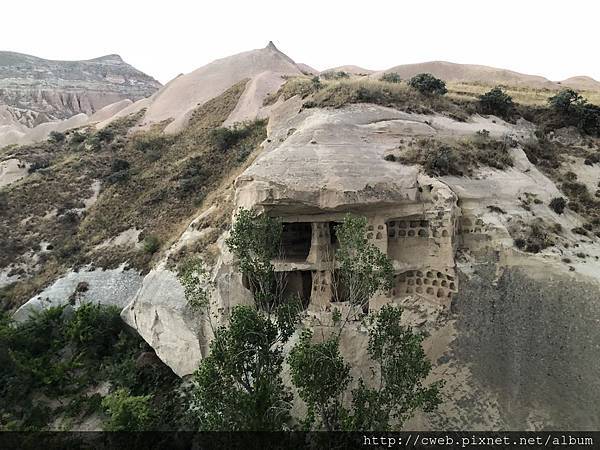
61	89
514	334
36	91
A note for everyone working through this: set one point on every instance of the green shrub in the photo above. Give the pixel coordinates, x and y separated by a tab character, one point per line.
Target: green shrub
126	412
566	101
223	138
574	110
94	328
118	165
56	137
427	84
496	102
151	244
335	75
77	138
558	205
391	77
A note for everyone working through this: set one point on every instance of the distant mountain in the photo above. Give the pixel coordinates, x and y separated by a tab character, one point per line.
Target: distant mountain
582	83
354	70
453	72
37	90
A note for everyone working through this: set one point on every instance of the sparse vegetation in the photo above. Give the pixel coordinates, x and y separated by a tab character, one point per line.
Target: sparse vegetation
427	84
558	205
301	86
458	158
533	237
335	75
391	77
223	138
337	94
136	196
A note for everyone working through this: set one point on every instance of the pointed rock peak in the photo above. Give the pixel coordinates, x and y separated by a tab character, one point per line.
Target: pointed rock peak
271	46
112	57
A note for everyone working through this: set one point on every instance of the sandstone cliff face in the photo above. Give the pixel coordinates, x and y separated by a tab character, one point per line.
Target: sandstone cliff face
513	334
50	90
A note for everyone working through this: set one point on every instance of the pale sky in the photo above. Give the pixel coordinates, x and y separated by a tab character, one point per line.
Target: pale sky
556	39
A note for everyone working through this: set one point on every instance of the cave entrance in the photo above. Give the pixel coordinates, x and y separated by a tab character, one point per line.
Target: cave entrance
288	285
298	284
295	240
333	235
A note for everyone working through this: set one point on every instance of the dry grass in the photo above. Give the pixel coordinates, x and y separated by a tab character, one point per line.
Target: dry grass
337	93
157	185
520	94
454	157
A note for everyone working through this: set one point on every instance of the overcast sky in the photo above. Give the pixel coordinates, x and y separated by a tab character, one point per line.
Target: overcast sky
556	39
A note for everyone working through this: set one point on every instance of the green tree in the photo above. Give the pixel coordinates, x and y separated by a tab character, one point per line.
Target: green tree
323	378
575	110
497	102
363	268
566	101
319	371
127	412
427	84
255	240
239	385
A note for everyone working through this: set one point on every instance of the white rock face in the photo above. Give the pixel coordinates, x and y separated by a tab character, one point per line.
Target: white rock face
12	170
160	314
108	287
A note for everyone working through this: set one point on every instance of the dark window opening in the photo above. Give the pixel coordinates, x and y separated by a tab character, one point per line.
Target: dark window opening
288	285
295	240
333	234
298	284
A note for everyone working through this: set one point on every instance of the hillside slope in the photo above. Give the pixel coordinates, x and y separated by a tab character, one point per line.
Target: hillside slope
504	285
61	89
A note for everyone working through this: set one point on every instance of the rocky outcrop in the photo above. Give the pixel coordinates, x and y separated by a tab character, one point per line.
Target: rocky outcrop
109	287
38	96
60	89
513	334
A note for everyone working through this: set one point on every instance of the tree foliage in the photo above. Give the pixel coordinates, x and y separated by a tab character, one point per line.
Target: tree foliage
194	279
391	77
427	84
574	110
496	102
127	412
323	378
49	363
363	268
239	385
255	240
